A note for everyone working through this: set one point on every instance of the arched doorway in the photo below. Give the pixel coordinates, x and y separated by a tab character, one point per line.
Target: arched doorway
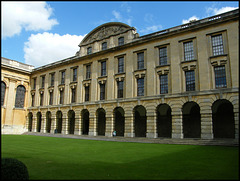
71	121
223	119
59	122
85	122
119	121
164	121
48	121
101	121
39	121
30	120
191	120
140	121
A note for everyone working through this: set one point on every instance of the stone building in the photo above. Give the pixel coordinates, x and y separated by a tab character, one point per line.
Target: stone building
181	82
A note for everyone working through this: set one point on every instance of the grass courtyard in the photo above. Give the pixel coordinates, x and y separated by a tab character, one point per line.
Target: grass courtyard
63	158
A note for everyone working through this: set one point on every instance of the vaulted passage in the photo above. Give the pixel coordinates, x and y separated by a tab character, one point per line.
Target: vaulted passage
49	121
59	122
85	122
119	121
39	121
164	121
71	121
101	121
140	121
191	120
223	119
30	120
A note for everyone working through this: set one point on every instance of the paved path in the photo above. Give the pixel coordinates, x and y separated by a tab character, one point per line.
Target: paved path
218	142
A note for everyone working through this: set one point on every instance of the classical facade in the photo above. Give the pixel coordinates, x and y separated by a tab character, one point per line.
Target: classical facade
181	82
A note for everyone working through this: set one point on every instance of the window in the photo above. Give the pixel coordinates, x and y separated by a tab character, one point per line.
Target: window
74	74
217	45
220	77
34	83
120	64
89	50
103	68
52	79
51	98
43	81
33	100
88	71
61	96
188	51
87	95
163	84
163	56
63	77
41	99
190	80
20	96
121	41
3	89
104	46
73	95
120	89
140	60
102	91
140	87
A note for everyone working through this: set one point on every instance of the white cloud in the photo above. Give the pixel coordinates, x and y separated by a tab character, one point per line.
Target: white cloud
151	29
190	19
45	48
214	11
31	16
118	17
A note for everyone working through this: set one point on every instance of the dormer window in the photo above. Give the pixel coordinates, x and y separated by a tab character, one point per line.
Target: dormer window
89	50
104	46
120	41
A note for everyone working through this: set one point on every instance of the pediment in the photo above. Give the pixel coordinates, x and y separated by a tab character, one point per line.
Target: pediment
104	31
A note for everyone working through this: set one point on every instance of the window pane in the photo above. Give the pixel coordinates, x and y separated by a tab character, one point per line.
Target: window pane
61	97
75	74
140	89
188	51
52	79
120	65
102	91
41	99
104	46
89	50
190	80
217	45
63	77
103	68
20	96
220	77
163	56
87	93
51	98
140	60
163	84
73	95
121	41
33	100
3	88
120	89
88	71
43	81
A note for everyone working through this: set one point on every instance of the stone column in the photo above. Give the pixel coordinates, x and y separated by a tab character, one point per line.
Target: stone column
43	123
65	122
53	123
236	119
206	122
109	124
78	121
92	124
151	124
177	126
129	124
34	123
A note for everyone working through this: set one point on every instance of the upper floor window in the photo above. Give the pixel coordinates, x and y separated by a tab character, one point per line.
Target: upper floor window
220	77
87	93
3	88
41	99
61	96
120	89
74	74
89	50
102	91
217	45
62	77
188	51
43	81
33	100
140	60
121	41
52	79
163	56
120	64
88	71
73	95
190	80
103	68
20	96
104	46
34	83
163	84
140	87
51	98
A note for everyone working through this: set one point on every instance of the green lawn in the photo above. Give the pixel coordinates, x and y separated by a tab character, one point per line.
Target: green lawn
64	158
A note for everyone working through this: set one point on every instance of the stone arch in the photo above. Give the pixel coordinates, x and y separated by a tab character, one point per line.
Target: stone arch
39	121
59	121
119	121
164	120
101	121
71	121
30	121
48	121
223	119
85	121
140	121
191	120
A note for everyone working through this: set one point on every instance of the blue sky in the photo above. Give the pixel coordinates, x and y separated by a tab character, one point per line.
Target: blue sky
40	32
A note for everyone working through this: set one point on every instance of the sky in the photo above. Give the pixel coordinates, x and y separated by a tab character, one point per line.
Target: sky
41	32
